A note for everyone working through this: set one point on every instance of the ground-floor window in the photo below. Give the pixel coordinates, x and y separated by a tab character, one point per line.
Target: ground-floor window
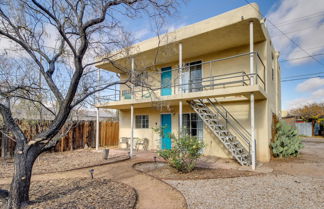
141	121
192	125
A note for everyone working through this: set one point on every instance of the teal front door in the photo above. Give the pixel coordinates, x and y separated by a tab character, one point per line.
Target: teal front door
166	77
166	131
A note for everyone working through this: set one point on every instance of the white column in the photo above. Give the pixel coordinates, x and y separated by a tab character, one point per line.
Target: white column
132	131
97	122
132	109
253	142
180	87
97	130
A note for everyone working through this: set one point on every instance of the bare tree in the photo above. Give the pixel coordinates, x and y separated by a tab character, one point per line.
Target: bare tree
309	111
57	39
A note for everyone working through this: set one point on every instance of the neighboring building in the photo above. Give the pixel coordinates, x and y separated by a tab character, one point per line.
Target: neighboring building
228	81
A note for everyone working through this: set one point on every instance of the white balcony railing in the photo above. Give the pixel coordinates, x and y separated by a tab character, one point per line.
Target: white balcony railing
240	78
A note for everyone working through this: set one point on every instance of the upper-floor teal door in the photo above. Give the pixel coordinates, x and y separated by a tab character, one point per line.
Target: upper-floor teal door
166	81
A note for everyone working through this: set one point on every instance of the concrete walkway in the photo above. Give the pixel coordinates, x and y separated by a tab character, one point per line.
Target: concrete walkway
152	193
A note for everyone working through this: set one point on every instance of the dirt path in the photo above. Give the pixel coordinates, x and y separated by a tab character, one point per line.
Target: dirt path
309	163
152	193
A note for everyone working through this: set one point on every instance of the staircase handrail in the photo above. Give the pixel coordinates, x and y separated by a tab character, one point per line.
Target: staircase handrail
245	135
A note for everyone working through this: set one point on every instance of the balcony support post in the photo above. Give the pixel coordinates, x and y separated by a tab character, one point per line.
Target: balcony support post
97	130
252	109
132	132
132	109
97	109
180	87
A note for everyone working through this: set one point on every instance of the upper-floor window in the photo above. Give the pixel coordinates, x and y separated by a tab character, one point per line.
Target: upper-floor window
272	74
192	77
141	121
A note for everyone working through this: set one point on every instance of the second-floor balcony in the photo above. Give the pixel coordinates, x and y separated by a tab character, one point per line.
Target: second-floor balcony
228	78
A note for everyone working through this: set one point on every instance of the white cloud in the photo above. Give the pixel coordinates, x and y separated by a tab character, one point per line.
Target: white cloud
300	102
310	84
140	34
302	21
172	27
318	93
315	97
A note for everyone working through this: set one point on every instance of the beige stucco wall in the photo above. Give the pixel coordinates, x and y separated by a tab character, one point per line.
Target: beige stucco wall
215	68
214	147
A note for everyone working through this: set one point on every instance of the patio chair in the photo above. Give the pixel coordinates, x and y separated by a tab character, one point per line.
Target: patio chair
124	140
142	142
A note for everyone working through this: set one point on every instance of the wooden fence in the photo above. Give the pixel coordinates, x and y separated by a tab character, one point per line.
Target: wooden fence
76	135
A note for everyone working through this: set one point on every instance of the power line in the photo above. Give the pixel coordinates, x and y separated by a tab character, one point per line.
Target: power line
302	75
298	58
297	79
299	19
303	29
291	40
309	48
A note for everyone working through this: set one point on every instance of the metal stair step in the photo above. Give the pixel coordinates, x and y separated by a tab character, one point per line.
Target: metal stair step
229	140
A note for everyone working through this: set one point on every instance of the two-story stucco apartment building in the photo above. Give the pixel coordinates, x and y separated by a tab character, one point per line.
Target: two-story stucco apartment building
218	79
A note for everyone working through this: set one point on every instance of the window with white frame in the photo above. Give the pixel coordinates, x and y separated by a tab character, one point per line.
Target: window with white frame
141	121
192	125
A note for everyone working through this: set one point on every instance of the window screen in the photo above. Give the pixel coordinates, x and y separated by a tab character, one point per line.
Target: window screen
141	121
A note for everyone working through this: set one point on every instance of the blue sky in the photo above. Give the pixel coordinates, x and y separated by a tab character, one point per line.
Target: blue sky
301	20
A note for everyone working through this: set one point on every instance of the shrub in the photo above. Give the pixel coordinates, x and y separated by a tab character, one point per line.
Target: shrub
184	153
287	142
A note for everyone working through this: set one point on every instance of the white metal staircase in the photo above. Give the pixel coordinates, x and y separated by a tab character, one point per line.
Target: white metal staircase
223	124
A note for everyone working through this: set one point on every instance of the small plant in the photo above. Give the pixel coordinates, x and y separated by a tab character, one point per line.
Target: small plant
185	152
287	141
159	130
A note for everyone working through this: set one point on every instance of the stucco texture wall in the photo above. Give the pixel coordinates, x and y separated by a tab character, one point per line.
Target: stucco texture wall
214	147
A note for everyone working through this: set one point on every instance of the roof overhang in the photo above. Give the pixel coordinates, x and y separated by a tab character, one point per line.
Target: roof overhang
225	31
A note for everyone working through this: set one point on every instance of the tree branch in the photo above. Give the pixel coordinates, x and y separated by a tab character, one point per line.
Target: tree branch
97	90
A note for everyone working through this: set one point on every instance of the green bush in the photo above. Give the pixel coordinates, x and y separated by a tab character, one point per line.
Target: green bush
287	142
184	153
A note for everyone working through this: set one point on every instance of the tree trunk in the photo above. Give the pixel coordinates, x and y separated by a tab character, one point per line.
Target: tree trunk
4	145
19	189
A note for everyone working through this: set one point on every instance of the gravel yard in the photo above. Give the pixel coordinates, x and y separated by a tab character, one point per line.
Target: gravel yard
80	193
62	161
266	191
163	171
